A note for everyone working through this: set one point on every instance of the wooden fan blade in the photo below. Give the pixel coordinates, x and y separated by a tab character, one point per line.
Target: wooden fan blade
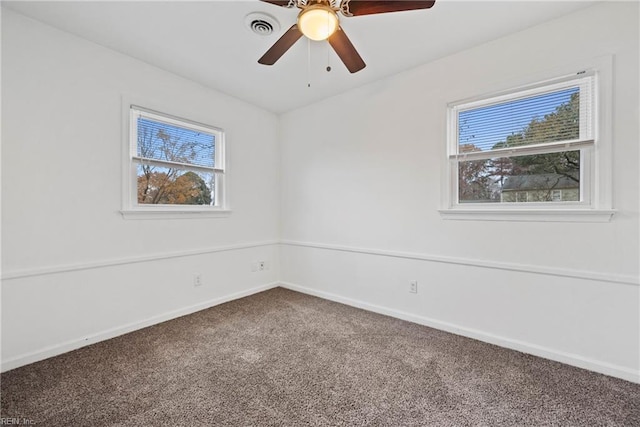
365	7
283	3
281	46
345	50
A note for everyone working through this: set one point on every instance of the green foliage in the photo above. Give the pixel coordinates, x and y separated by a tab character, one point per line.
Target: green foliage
192	190
561	125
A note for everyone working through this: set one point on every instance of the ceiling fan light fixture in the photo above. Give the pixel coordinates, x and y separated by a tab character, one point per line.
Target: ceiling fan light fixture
318	22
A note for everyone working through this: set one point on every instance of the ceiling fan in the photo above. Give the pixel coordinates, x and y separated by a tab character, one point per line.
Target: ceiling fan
318	20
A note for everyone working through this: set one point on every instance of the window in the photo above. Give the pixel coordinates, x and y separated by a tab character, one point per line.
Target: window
530	149
175	165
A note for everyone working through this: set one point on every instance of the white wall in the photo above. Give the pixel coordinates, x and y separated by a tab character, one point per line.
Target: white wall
74	270
361	188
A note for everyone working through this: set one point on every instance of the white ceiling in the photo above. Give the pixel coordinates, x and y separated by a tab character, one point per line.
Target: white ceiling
208	41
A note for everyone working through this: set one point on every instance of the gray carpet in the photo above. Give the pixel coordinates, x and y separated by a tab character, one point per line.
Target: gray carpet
281	358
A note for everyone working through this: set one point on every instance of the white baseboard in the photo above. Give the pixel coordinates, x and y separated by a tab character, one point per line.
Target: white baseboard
57	349
524	347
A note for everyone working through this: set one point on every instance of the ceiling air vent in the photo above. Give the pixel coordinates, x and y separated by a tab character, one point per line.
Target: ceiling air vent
262	24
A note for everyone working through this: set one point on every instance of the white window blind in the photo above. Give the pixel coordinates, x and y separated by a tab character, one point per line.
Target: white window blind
554	117
165	140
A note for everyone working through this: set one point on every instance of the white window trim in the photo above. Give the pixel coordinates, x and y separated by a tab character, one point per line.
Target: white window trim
598	207
130	209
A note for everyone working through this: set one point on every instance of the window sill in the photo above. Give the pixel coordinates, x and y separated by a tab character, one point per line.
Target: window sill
174	214
531	215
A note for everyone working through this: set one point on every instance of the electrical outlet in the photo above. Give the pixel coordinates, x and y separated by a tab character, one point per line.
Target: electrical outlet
262	265
197	279
413	287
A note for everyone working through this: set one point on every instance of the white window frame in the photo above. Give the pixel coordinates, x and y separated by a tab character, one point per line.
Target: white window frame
594	144
131	209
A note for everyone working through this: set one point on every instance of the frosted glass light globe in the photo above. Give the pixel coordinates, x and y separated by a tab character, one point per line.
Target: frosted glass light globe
318	23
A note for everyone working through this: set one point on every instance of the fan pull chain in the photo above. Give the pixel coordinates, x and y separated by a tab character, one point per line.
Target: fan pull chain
328	51
308	63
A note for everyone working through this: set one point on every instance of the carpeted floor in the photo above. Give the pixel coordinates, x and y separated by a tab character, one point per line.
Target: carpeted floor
287	359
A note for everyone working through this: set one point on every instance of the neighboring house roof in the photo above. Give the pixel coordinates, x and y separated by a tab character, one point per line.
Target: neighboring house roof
538	182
